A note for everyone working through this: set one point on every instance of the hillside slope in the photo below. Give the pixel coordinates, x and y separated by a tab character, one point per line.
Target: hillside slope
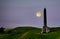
30	33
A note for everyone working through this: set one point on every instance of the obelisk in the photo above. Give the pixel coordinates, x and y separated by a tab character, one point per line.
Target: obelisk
45	17
45	28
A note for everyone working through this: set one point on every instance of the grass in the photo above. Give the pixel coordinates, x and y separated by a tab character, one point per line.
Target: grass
30	33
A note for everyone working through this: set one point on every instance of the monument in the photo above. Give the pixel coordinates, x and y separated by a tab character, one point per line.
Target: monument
45	27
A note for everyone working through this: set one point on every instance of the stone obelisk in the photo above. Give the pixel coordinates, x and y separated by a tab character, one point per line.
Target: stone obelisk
45	28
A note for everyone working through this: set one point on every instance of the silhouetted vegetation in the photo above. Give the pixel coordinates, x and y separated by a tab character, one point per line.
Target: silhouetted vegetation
2	30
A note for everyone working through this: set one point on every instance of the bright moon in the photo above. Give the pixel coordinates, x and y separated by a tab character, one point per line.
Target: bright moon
38	14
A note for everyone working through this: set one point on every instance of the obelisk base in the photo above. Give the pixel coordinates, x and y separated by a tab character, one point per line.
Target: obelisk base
45	29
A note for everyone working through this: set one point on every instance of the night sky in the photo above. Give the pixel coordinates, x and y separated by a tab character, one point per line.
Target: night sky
15	13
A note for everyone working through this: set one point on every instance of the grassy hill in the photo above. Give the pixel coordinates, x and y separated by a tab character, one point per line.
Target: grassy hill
30	33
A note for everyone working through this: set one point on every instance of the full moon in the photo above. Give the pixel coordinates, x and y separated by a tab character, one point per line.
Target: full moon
38	14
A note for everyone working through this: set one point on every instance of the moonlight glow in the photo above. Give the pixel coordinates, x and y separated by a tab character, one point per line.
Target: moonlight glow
38	14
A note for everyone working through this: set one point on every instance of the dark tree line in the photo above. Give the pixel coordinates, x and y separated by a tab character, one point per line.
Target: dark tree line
2	30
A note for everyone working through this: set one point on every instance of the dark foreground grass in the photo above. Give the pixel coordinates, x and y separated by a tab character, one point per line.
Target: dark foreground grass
30	33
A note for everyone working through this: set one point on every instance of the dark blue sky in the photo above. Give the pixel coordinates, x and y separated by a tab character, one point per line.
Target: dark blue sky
14	13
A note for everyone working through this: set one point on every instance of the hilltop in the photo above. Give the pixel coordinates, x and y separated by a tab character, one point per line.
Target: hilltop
30	33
